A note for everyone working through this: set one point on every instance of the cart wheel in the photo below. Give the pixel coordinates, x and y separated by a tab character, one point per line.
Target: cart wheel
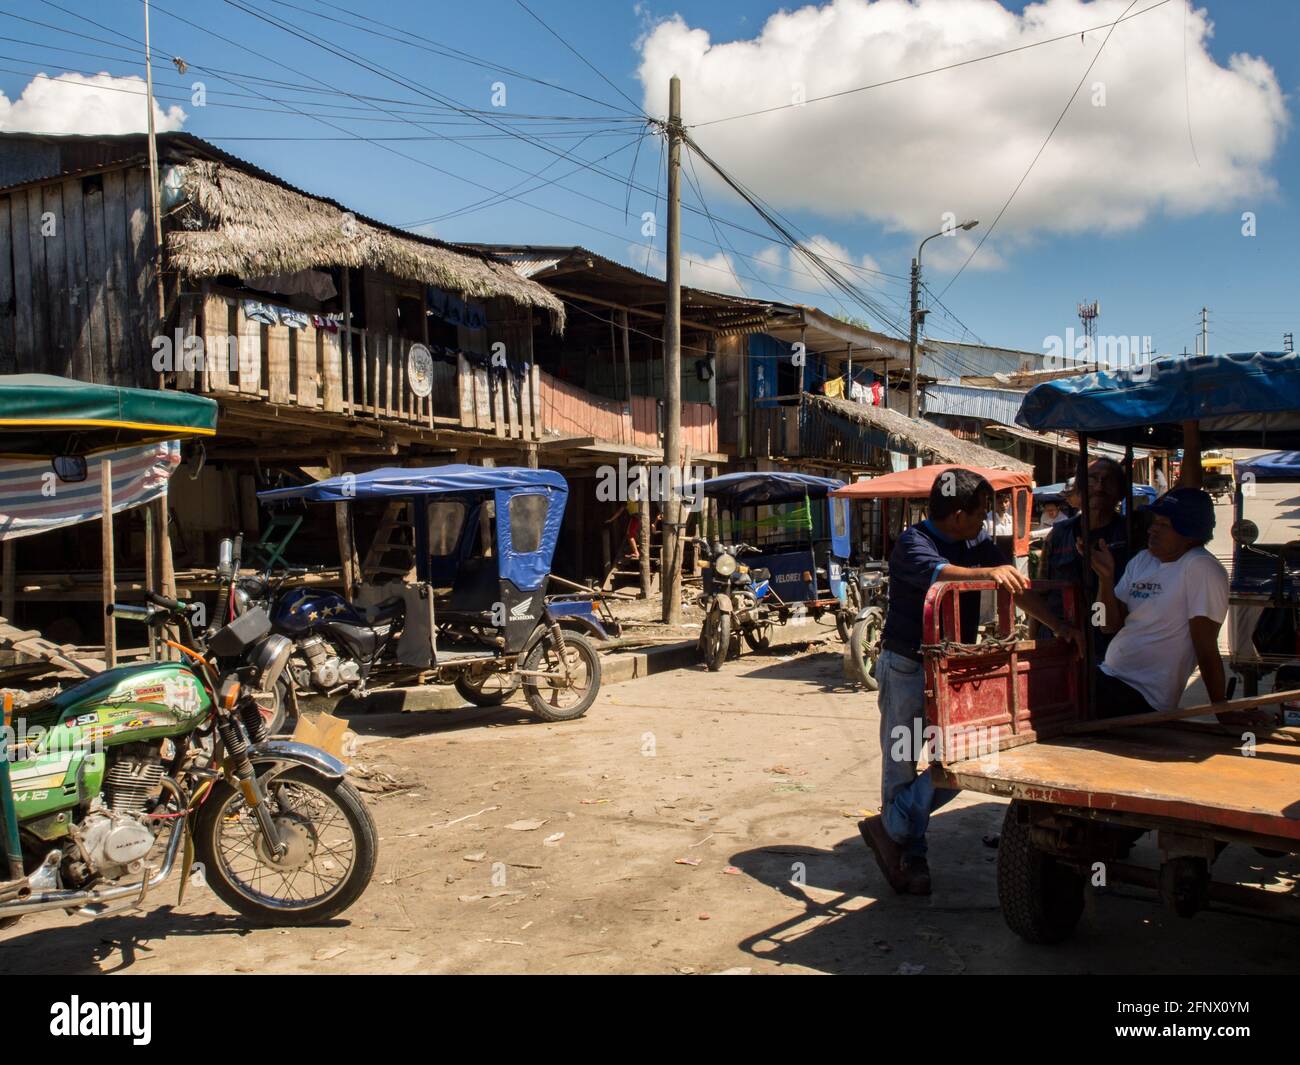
845	615
552	699
759	637
864	649
1041	898
487	689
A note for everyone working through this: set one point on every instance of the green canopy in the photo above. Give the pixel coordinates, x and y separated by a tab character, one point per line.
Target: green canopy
42	415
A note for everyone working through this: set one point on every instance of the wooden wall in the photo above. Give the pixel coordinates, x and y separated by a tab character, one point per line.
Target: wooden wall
77	296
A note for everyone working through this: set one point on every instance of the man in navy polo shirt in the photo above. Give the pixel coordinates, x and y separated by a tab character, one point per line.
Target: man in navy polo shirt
950	544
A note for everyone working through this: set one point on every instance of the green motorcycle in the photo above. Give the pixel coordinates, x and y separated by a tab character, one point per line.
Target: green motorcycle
114	779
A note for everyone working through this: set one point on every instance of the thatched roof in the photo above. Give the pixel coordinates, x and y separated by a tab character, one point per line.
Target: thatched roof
931	442
252	227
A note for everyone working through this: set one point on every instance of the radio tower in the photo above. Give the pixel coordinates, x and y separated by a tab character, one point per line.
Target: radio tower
1088	314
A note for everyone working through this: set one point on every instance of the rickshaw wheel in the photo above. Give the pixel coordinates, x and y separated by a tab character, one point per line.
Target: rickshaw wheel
759	637
1041	898
476	690
550	699
715	639
864	649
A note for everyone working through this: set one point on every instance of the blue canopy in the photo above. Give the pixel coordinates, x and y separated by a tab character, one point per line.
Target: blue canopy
526	564
760	489
1241	399
418	481
1275	466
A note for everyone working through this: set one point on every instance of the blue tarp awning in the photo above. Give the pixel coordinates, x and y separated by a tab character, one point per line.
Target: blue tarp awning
761	489
1275	466
1239	399
428	480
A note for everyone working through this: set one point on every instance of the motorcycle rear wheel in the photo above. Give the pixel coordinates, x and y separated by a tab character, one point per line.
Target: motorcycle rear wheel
313	811
490	689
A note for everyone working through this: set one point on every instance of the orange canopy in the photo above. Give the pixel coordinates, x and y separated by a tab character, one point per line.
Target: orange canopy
916	484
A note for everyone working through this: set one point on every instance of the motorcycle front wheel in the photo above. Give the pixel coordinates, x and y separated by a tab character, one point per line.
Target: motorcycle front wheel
864	648
715	639
332	851
552	698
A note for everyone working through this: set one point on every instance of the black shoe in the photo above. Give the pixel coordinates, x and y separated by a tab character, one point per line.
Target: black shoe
917	871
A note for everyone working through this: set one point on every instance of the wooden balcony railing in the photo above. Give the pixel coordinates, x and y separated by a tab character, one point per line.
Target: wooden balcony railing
567	410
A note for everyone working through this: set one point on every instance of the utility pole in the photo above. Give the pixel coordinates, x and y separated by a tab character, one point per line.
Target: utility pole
911	340
153	181
1205	331
670	569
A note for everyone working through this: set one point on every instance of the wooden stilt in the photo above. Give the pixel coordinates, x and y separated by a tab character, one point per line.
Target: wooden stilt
347	550
10	592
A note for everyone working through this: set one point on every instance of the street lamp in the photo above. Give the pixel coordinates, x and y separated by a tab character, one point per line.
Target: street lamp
918	314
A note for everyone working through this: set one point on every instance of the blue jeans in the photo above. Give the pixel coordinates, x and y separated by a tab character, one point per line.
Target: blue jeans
907	798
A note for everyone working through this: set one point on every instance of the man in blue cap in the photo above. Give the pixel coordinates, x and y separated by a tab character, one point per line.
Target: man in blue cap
1165	610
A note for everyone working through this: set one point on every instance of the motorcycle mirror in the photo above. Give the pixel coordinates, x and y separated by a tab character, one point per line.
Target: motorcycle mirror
70	469
1245	532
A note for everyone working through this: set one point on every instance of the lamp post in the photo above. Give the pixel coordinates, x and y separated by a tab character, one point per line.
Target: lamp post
917	314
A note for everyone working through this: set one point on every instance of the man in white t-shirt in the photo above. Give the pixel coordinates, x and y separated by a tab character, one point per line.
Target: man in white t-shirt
1166	610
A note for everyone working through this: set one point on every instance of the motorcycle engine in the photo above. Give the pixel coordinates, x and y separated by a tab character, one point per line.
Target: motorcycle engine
321	667
112	836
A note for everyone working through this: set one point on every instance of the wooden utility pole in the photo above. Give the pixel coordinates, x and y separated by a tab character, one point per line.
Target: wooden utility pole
106	559
670	559
154	194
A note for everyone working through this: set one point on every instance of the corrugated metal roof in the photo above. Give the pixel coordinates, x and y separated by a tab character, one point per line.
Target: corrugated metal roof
987	404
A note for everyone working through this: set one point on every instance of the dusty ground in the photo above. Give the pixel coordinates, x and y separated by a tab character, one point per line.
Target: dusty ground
758	773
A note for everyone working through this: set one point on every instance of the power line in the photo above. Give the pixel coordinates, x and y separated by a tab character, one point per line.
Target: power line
1043	147
582	57
924	73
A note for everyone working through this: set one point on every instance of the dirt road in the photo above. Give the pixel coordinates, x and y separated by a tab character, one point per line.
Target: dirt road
754	777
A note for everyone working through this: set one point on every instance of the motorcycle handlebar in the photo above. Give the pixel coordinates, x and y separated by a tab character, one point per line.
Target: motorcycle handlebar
173	605
133	611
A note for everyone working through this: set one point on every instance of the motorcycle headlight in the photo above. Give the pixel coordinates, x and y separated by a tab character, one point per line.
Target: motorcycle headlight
269	659
724	565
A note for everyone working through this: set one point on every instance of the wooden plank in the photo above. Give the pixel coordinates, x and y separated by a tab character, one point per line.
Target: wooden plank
535	374
307	348
58	359
277	362
331	355
216	343
464	392
7	354
482	400
24	327
390	367
187	321
97	292
250	353
81	338
40	297
142	289
117	300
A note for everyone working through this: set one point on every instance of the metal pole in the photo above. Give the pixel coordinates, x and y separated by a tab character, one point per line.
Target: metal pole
671	574
106	559
153	178
911	341
1089	650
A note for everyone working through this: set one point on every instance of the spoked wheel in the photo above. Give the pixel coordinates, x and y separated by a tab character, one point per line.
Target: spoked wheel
845	615
759	636
332	847
552	698
715	639
487	689
864	649
274	706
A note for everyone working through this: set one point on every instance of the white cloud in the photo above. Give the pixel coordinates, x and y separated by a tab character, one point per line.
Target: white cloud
717	272
76	103
959	141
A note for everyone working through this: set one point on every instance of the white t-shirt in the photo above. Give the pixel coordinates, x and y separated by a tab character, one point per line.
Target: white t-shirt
1153	651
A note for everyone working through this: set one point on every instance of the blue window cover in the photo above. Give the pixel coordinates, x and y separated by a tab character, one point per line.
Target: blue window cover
1275	466
760	489
1241	399
527	571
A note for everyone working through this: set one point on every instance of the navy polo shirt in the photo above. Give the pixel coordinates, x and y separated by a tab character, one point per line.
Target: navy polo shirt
914	564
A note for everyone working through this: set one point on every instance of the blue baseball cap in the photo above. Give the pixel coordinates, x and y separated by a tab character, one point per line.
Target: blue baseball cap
1189	510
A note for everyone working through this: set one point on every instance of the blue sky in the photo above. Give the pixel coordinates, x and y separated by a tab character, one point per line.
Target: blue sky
1151	279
